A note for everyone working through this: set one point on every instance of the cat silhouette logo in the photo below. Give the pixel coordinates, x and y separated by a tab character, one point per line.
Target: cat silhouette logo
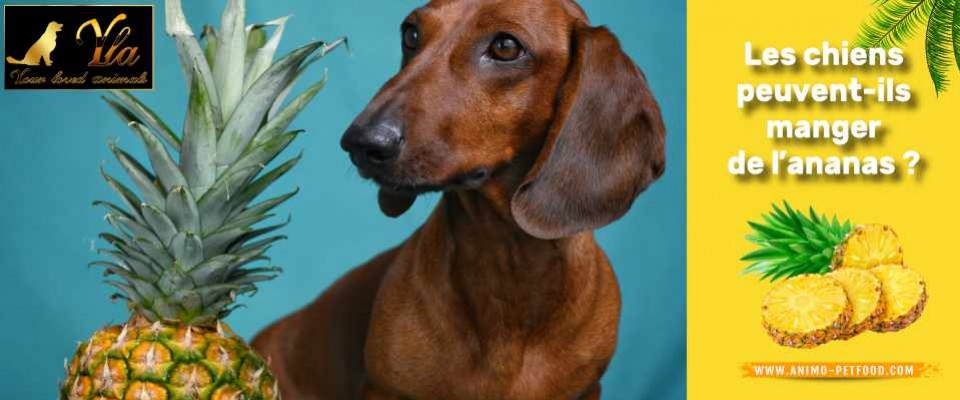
42	48
78	47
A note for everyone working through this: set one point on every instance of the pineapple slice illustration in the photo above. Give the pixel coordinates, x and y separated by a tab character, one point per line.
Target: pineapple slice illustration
815	256
905	295
806	311
864	293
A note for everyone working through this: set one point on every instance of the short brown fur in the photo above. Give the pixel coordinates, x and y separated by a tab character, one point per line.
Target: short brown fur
503	293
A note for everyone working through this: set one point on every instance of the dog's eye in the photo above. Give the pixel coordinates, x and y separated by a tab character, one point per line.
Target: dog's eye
505	48
411	37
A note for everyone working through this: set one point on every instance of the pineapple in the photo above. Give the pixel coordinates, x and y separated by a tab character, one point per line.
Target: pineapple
864	292
792	243
187	243
167	360
905	295
868	246
806	311
865	261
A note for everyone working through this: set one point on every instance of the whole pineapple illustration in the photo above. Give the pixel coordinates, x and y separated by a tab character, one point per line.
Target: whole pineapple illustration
188	241
817	256
792	243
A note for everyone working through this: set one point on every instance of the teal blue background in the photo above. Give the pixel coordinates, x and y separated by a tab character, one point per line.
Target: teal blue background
52	143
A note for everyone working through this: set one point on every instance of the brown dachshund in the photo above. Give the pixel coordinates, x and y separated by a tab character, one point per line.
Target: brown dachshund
538	129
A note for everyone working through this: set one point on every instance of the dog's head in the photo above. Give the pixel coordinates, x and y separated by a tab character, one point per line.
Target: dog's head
54	26
521	99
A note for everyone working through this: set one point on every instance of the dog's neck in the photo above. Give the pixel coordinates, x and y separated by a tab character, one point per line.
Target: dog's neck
508	282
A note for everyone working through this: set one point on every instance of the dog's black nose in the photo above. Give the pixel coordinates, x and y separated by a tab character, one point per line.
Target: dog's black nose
378	144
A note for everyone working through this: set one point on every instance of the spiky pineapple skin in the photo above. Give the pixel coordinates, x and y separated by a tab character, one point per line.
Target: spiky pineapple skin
846	257
845	277
166	361
812	339
808	340
897	323
903	321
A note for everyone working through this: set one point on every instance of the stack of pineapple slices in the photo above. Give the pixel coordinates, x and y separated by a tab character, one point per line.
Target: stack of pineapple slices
840	280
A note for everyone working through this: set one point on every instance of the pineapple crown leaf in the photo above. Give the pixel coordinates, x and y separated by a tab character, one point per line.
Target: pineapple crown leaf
790	242
187	241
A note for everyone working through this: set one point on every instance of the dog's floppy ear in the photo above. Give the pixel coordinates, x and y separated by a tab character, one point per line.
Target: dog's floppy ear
606	144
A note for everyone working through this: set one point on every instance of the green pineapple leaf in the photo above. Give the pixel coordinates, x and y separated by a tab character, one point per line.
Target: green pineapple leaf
215	268
187	249
260	55
159	223
256	38
132	110
126	195
251	111
327	48
213	204
278	123
231	57
209	37
182	209
192	57
163	165
143	179
257	187
791	243
264	206
262	154
198	153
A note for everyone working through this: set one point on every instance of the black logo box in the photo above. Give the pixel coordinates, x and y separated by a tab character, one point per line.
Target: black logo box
25	24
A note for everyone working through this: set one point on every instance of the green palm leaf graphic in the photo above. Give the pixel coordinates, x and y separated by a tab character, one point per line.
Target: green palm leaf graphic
956	32
894	22
940	43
